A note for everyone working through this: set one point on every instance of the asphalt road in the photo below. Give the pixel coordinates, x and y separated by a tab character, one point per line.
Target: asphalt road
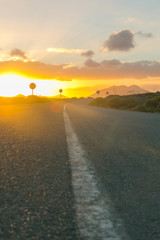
124	149
36	189
36	198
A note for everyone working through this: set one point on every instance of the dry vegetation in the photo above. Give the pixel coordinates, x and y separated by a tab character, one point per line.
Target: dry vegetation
149	102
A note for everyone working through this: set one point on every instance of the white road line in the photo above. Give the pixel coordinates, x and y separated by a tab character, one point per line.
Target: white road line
94	213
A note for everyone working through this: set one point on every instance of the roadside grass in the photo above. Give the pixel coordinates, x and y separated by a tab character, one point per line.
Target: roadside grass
148	102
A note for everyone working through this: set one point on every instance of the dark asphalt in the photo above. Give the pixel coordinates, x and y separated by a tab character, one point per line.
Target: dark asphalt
36	198
124	148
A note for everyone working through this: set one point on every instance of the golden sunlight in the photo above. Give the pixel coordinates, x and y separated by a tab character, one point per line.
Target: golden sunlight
14	84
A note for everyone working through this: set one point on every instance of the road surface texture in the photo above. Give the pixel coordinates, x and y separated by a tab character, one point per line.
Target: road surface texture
36	198
124	150
73	173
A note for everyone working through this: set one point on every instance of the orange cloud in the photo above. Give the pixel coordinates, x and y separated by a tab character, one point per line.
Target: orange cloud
33	69
92	70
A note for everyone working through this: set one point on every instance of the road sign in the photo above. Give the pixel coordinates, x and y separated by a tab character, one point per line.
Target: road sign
32	86
98	92
60	91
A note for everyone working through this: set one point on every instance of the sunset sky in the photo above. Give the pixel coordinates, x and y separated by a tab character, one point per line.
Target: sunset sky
80	46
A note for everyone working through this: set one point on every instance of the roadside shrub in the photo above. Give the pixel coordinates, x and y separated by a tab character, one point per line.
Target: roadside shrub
153	103
149	102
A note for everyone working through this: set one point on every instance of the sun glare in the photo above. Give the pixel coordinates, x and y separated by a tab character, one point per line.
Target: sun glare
12	85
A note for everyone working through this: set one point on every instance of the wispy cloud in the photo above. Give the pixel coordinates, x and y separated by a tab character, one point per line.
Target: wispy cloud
120	41
144	35
64	50
84	53
18	53
129	20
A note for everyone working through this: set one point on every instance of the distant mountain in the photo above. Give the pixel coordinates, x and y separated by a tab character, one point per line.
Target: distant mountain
119	90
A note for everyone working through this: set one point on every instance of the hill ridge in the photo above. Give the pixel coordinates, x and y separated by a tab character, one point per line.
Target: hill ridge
121	90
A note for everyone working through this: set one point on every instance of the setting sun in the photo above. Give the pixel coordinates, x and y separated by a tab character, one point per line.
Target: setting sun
14	84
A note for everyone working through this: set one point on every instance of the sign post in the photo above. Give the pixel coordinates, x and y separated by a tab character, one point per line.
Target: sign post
32	86
98	92
60	91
